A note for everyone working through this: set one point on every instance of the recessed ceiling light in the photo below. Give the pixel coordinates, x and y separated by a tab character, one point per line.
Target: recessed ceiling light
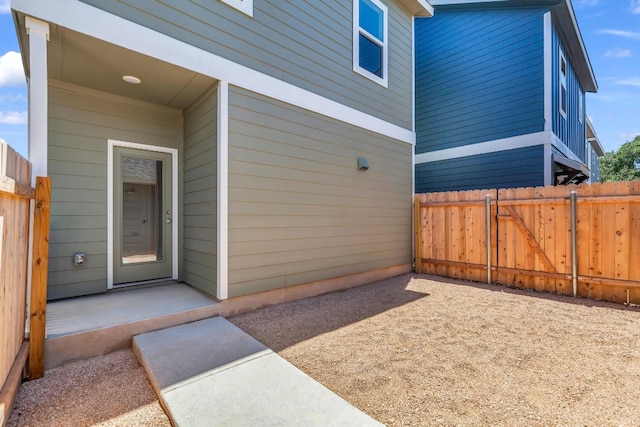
132	80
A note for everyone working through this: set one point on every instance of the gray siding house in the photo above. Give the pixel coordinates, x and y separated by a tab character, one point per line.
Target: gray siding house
241	146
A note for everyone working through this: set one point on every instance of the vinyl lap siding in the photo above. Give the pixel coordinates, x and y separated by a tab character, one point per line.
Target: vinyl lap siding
569	130
479	76
199	197
299	210
522	167
308	44
80	122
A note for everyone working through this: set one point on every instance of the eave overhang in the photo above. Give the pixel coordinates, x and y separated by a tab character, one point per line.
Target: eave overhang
418	7
567	25
592	138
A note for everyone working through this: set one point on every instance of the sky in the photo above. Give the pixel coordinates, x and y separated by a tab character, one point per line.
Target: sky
610	31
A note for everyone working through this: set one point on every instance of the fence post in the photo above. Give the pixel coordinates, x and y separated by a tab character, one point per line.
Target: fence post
39	269
417	221
574	246
488	198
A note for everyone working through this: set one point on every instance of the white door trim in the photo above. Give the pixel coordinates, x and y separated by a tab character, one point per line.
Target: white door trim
111	144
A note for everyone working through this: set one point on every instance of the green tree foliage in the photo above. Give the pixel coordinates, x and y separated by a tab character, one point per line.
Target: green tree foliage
622	165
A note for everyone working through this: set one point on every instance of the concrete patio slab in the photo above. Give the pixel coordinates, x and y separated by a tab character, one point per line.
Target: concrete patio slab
89	326
211	372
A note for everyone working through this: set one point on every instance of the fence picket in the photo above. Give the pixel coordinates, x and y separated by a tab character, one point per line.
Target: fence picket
531	238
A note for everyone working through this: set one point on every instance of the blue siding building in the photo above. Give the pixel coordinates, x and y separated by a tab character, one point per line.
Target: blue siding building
500	96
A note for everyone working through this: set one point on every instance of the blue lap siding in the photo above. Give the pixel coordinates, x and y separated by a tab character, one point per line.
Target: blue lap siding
523	167
570	130
479	76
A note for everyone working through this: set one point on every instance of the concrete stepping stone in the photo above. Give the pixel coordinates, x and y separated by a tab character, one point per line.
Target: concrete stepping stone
210	372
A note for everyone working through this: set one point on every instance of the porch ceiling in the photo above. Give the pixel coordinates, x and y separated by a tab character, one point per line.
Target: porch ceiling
79	59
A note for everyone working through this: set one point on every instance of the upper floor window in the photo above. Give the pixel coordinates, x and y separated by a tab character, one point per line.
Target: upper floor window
581	106
245	6
563	85
370	45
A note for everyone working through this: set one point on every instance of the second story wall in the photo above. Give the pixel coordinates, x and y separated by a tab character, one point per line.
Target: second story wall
570	125
307	44
479	76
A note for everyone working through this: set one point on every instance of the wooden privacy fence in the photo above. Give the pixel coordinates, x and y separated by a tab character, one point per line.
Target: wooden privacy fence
539	238
15	196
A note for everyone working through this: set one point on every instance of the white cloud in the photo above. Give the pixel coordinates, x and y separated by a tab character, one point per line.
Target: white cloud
10	98
628	136
5	6
11	71
618	53
621	33
635	7
13	117
631	81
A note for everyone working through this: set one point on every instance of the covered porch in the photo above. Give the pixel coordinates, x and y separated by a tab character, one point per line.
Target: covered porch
102	117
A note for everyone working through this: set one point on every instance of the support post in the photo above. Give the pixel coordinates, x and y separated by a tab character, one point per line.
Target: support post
39	267
574	246
417	229
488	198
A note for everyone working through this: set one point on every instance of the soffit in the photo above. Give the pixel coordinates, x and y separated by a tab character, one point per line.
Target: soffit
82	60
418	7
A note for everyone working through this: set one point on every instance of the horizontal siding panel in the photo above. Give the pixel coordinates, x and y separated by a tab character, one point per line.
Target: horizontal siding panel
200	233
77	275
308	271
63	263
200	195
510	168
294	191
202	246
200	184
70	195
479	76
83	288
80	183
347	220
200	209
59	167
81	121
307	44
291	250
79	222
77	209
94	235
242	268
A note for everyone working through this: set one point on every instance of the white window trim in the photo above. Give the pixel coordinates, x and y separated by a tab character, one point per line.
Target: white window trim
562	82
384	80
244	6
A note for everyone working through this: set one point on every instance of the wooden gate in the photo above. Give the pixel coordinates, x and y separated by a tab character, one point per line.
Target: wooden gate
531	242
15	196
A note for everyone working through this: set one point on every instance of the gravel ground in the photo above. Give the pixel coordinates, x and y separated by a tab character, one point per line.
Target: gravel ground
409	351
110	390
420	350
